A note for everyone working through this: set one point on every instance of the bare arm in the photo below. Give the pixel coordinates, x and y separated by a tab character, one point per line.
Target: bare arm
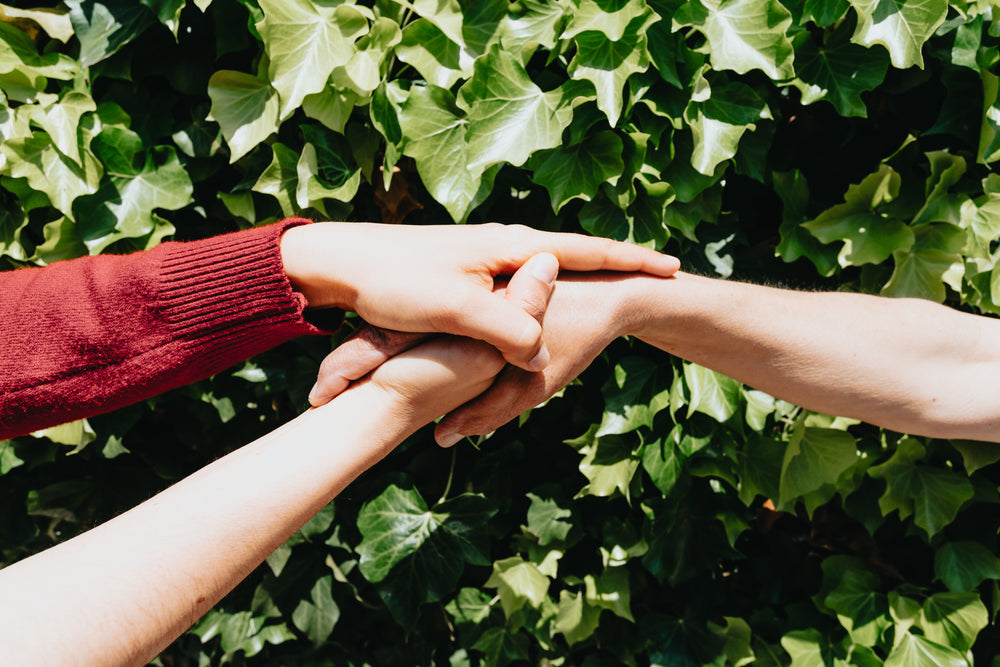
904	364
121	592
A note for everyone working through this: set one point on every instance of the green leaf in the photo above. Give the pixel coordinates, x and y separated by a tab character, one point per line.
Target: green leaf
397	525
124	207
613	19
325	169
859	604
106	26
317	616
719	122
280	179
502	647
518	582
712	393
305	42
931	495
808	648
664	459
633	395
977	454
435	136
427	49
48	171
608	63
578	171
576	619
509	117
246	109
869	235
953	619
923	274
742	34
61	121
546	520
609	465
916	651
989	132
901	26
814	457
962	566
610	591
837	72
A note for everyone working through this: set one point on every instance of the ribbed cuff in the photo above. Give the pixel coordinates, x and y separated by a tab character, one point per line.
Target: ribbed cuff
228	296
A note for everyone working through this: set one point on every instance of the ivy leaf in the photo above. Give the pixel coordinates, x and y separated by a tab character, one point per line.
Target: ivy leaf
932	495
609	465
427	49
953	619
246	109
317	616
923	274
712	393
634	394
518	582
502	647
608	63
808	648
124	207
962	566
47	170
435	137
539	25
546	520
578	171
610	591
742	34
977	454
859	604
814	457
989	132
612	19
324	169
869	236
760	465
469	609
397	524
509	117
901	26
305	41
720	121
916	651
838	73
664	458
106	26
61	120
280	179
576	619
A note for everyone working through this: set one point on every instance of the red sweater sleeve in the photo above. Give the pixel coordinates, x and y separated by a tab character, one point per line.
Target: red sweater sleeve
89	335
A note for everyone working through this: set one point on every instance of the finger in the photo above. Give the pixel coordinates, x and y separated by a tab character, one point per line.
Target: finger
511	324
356	357
513	392
577	252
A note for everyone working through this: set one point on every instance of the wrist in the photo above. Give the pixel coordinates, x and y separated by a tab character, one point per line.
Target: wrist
312	259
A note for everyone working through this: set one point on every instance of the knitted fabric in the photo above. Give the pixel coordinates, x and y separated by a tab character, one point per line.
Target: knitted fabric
89	335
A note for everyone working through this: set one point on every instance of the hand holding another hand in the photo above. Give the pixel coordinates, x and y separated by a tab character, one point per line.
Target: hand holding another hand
440	279
586	312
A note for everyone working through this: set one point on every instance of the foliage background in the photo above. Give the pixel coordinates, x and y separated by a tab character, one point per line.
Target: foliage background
656	513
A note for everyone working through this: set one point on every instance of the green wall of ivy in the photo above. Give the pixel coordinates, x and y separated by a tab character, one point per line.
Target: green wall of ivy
655	513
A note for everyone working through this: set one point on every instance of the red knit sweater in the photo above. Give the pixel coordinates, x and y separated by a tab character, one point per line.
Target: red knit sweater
89	335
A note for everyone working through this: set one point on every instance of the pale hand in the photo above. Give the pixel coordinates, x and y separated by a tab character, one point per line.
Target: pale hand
440	279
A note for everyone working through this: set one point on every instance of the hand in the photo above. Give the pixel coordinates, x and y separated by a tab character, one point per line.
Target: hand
586	312
439	375
440	278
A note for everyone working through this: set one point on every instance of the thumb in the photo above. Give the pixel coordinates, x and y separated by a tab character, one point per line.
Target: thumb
513	324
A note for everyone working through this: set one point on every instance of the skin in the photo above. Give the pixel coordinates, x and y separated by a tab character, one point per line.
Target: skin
120	593
903	364
371	268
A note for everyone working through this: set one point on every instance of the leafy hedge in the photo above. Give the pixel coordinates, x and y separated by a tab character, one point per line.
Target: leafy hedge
654	514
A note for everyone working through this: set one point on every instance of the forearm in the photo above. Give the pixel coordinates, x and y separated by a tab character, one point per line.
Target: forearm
904	364
120	593
97	333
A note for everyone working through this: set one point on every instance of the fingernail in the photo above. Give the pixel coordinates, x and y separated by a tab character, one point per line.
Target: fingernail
449	439
313	394
540	360
545	268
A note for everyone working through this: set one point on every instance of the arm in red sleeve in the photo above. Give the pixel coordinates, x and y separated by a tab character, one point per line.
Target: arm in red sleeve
89	335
